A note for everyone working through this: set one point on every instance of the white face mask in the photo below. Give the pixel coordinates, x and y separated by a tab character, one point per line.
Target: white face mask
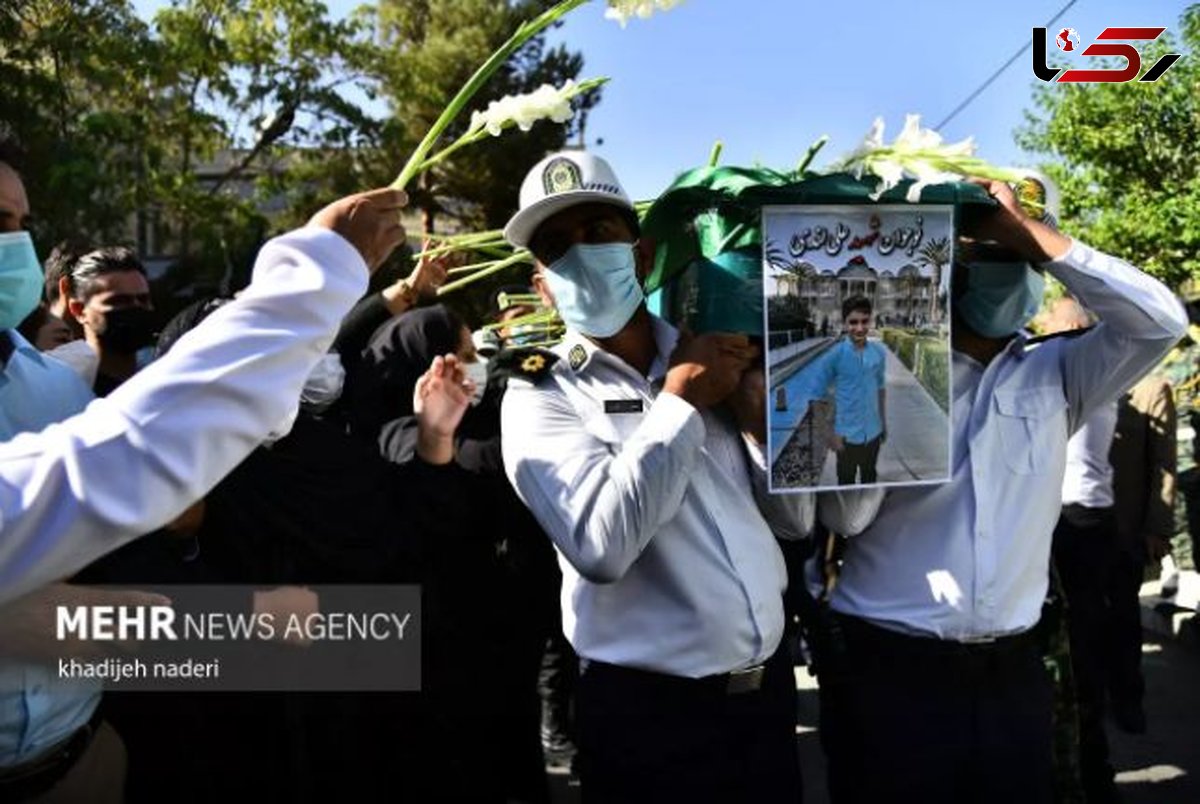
477	373
324	384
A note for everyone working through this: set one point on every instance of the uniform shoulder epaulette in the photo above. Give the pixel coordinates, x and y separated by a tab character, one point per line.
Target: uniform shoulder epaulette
1067	333
529	364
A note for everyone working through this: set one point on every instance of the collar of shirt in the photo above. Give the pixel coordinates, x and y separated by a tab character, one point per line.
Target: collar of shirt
12	341
578	351
14	344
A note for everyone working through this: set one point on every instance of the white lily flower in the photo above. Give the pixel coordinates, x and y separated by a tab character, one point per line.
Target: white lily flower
889	171
624	10
915	138
544	103
917	153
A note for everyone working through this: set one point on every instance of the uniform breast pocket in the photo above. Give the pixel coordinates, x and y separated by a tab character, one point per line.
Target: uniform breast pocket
614	429
1031	422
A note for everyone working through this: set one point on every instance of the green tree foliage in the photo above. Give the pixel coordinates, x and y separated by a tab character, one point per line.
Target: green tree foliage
70	79
1126	160
199	132
122	120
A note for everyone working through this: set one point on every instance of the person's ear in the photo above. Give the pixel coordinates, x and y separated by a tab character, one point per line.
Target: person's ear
75	308
64	289
542	288
643	251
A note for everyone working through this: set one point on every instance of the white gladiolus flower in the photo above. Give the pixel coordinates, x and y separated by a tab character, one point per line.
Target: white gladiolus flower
544	103
918	153
624	10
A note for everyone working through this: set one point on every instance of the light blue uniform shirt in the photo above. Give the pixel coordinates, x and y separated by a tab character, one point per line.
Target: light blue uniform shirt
858	375
969	559
36	709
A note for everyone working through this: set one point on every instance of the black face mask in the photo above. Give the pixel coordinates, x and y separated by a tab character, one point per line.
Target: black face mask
127	329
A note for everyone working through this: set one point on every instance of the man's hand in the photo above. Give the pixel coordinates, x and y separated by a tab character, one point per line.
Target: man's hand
1012	229
748	402
440	399
837	443
705	369
421	284
430	273
370	221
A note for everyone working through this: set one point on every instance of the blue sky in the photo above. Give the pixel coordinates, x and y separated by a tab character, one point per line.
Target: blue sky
767	77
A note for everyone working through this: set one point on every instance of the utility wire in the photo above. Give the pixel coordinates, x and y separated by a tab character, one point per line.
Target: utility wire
1003	67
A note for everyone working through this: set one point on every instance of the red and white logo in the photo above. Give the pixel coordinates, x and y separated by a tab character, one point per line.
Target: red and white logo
1111	42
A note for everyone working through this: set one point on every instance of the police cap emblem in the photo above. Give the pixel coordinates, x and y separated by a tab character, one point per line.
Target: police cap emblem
560	176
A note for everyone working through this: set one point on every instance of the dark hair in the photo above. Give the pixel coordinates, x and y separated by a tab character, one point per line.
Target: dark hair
185	321
856	304
62	259
33	322
380	388
95	264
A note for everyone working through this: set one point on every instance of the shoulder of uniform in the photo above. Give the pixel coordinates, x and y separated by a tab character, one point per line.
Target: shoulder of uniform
530	364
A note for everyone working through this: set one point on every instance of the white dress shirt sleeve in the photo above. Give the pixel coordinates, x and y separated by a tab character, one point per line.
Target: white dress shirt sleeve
1140	319
599	502
131	462
789	515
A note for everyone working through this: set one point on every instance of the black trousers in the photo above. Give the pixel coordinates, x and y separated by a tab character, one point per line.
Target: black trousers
858	461
647	737
1124	634
914	719
1085	552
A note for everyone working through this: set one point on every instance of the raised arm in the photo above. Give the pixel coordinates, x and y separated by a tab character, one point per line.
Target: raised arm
135	460
1140	319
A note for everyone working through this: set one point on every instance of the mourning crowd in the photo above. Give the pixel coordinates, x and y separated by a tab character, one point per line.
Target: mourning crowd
607	587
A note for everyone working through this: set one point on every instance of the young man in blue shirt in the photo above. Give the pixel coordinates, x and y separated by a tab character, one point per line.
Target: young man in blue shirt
856	369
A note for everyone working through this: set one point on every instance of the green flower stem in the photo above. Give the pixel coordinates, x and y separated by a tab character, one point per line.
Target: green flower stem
522	35
449	247
470	138
500	251
714	157
539	320
496	267
499	255
811	154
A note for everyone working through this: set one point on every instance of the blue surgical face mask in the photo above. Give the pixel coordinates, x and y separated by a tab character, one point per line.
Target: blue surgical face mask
20	278
477	373
595	287
1001	297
